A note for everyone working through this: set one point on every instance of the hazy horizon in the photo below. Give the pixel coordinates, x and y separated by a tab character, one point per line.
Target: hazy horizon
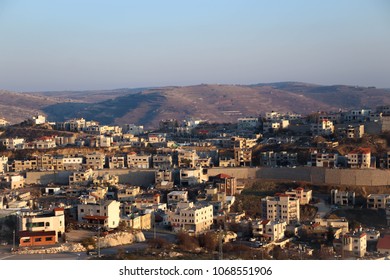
98	45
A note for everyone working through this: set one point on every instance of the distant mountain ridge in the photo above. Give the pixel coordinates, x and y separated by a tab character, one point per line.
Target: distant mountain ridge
215	103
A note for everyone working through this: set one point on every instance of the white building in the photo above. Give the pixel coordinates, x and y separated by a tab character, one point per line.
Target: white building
359	158
174	197
281	207
3	164
138	161
324	127
191	218
342	197
34	222
106	213
192	176
377	201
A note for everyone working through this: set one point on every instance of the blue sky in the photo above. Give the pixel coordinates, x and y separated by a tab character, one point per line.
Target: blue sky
85	44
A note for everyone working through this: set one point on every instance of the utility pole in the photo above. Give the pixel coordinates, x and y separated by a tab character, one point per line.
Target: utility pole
14	237
100	210
220	253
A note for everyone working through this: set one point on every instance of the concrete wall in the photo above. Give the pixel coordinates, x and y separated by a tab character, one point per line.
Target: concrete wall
126	176
315	175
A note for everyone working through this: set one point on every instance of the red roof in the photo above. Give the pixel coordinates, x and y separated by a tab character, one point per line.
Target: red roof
361	151
223	176
27	233
384	242
58	209
264	222
101	218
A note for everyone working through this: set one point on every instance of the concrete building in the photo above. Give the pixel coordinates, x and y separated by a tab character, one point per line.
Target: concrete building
338	197
13	143
359	158
117	162
12	181
190	217
341	223
95	161
163	176
351	131
243	156
82	177
328	160
174	197
377	201
138	221
38	229
281	207
105	214
274	159
351	245
225	183
72	162
192	176
269	230
133	129
187	158
162	161
324	127
128	193
138	161
303	195
3	164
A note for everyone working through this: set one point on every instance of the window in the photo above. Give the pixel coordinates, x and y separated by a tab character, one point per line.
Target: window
47	224
49	239
38	239
82	210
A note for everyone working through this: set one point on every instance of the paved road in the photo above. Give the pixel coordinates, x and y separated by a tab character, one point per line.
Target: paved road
136	247
323	206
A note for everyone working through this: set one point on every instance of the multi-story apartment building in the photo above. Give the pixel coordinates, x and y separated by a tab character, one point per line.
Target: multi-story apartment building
351	131
13	143
225	183
12	181
72	162
138	161
128	193
303	195
281	207
273	159
377	201
3	164
82	177
187	158
174	197
194	218
269	230
19	165
359	158
95	161
351	245
106	213
192	176
38	229
133	129
324	159
243	156
163	176
342	197
117	161
45	142
161	161
324	127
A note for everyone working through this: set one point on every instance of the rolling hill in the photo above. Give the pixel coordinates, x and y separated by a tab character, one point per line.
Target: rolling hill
215	103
